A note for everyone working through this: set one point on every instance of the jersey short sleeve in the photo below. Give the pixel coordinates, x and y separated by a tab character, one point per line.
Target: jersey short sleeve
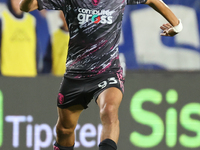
51	4
134	2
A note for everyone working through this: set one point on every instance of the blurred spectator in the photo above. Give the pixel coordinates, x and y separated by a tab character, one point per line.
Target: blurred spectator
18	42
55	58
43	37
24	39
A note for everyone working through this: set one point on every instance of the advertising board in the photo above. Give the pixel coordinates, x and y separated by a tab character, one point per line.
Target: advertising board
160	110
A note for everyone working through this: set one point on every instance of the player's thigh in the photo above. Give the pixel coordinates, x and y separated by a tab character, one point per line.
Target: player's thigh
68	117
110	97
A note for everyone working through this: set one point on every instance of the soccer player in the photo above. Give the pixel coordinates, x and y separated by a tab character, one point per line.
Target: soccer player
93	68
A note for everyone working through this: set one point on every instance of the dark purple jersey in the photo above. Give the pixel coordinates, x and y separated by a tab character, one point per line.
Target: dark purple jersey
94	27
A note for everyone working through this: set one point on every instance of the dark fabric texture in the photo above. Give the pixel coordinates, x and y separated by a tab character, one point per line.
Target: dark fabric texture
58	147
107	144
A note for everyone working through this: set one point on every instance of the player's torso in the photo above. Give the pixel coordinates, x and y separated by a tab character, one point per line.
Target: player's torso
93	16
95	27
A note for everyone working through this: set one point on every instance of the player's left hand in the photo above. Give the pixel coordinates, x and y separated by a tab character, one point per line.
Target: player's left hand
167	30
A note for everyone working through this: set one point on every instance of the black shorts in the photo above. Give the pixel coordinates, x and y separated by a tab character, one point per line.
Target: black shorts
75	91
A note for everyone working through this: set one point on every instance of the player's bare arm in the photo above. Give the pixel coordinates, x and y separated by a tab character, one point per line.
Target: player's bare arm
28	5
174	26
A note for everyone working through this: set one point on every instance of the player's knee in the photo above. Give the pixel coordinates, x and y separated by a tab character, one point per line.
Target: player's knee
109	114
64	131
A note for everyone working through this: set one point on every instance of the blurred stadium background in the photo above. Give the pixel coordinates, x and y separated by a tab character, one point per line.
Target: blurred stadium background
161	106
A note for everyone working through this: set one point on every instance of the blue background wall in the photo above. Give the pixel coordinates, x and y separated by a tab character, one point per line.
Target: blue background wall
142	18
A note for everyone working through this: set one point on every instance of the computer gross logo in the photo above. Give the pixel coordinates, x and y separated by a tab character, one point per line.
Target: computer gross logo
95	16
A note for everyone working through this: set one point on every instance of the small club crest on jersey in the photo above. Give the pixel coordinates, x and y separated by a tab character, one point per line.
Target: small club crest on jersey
95	2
